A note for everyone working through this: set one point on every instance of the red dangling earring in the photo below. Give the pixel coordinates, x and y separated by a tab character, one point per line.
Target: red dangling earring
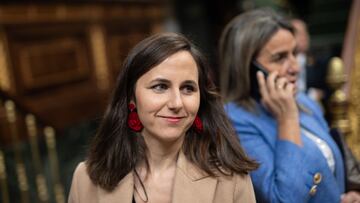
198	125
133	121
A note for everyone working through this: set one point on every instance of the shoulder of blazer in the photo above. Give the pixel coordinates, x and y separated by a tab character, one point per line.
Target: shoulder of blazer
81	185
81	173
84	190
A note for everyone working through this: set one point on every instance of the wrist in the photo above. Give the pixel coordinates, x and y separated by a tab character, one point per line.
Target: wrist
288	118
289	129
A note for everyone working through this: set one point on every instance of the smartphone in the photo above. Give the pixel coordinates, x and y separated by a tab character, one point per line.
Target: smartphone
254	85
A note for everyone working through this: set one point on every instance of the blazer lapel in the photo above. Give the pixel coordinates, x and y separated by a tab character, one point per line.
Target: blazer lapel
192	184
122	193
313	126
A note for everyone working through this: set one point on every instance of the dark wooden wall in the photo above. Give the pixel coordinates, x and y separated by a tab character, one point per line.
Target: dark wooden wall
61	60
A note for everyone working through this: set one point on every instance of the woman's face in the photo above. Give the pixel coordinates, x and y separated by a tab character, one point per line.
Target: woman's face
168	98
279	54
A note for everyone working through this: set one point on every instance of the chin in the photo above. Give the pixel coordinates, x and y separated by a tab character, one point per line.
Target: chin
171	135
295	87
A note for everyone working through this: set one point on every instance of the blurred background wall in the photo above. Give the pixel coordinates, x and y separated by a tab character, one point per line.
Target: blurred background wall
59	61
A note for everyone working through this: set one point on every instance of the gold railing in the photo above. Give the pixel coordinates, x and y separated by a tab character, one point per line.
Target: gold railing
15	121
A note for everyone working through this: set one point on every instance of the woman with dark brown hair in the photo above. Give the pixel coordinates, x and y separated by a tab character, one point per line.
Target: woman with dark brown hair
165	136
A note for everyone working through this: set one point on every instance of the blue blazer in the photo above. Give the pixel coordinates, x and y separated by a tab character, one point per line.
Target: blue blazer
287	172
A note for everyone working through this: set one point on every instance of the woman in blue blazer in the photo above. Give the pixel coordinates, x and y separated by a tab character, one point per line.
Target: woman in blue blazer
280	128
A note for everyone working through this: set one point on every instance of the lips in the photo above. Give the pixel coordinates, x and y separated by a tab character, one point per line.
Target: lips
172	119
293	82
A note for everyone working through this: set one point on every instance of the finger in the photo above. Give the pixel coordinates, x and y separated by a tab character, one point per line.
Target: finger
345	198
280	95
280	83
270	106
357	196
271	81
350	197
289	89
263	89
354	196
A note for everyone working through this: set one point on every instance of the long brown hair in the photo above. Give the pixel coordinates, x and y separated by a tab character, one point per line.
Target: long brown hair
116	149
240	42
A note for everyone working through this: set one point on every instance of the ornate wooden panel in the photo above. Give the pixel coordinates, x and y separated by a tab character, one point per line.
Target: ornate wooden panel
56	58
61	60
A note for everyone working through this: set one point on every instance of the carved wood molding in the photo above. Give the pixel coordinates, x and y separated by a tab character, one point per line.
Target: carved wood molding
4	73
39	67
97	38
12	14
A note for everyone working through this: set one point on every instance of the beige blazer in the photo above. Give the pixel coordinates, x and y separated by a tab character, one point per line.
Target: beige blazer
191	185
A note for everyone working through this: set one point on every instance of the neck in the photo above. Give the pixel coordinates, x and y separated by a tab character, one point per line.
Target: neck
162	160
161	155
159	175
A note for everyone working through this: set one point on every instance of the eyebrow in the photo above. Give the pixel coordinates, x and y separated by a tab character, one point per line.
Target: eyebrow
160	80
280	53
190	82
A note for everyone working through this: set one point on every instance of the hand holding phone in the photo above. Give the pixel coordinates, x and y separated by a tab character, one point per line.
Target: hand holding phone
279	93
254	84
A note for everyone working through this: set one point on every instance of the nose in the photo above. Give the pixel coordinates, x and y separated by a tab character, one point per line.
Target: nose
175	102
294	66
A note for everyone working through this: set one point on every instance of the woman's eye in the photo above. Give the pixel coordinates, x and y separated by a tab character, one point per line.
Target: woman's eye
188	89
278	58
159	87
295	52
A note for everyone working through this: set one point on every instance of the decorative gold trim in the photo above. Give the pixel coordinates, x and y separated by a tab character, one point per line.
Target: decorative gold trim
98	46
35	13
